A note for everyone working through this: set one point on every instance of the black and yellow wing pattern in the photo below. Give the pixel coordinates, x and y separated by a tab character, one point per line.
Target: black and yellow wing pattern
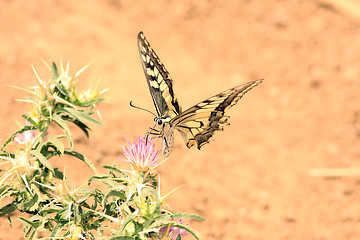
196	124
158	79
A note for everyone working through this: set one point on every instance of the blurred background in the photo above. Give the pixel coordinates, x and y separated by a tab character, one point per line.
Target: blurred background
286	167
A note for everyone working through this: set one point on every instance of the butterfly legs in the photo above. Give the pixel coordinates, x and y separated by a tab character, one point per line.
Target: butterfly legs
153	131
168	140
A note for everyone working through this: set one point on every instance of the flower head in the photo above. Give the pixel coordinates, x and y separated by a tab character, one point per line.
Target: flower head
25	137
89	95
142	155
23	141
22	162
172	233
61	192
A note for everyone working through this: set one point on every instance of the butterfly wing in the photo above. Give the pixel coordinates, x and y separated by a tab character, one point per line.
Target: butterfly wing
158	79
199	123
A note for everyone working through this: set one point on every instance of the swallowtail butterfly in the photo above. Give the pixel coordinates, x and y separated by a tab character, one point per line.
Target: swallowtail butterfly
196	124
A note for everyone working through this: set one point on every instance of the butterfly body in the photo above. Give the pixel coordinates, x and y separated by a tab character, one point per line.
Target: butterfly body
166	132
196	124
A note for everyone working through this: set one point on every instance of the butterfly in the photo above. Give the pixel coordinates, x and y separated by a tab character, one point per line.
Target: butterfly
196	124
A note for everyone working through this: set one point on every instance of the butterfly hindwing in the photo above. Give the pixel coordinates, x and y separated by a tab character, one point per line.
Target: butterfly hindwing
199	123
158	79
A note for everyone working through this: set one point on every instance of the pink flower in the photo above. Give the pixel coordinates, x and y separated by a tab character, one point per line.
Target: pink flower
25	137
142	155
173	232
24	141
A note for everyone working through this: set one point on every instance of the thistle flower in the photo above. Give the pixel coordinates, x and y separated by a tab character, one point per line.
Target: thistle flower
46	95
89	95
142	155
172	233
23	142
22	162
76	233
62	193
26	137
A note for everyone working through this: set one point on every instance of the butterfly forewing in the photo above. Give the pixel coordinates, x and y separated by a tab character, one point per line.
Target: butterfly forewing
158	79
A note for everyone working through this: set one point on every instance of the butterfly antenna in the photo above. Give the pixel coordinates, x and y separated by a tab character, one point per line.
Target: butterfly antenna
132	105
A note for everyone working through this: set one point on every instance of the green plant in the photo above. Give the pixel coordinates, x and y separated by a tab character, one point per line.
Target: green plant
129	206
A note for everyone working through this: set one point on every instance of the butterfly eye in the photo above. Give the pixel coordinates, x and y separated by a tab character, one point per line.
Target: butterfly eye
159	121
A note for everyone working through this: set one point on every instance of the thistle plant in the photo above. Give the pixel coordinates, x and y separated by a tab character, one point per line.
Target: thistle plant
127	206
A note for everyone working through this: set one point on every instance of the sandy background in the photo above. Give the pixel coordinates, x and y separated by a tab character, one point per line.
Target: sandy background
253	182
